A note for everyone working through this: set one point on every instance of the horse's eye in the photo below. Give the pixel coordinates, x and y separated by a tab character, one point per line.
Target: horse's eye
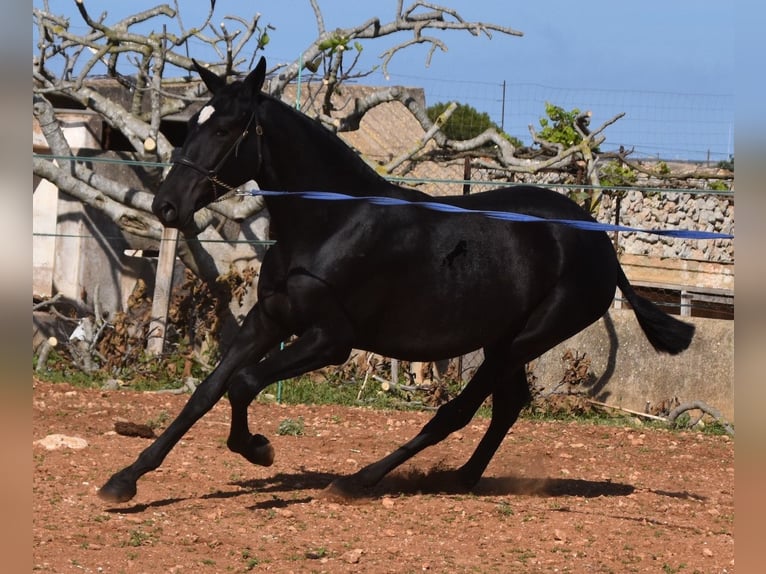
220	132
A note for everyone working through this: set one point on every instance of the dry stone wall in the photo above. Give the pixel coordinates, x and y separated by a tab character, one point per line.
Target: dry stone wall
692	210
690	204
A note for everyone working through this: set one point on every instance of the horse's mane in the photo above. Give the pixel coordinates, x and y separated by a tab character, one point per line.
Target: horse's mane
330	142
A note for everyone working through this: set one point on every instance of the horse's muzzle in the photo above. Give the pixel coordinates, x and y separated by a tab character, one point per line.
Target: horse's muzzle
166	212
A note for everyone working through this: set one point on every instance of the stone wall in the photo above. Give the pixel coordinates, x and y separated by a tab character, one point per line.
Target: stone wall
691	204
693	210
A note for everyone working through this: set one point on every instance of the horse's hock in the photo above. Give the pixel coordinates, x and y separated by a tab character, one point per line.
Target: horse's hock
627	373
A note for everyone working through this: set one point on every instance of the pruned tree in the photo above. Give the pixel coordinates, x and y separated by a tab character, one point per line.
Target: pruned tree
67	59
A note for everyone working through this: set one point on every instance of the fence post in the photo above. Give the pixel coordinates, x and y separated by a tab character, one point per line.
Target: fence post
686	304
466	175
394	371
163	284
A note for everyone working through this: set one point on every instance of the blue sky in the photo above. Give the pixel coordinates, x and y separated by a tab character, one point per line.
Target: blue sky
669	65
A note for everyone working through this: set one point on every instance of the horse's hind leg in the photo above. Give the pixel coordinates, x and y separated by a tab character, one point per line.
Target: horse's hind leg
508	398
450	417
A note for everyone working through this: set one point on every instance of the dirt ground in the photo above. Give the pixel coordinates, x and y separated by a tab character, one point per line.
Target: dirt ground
558	497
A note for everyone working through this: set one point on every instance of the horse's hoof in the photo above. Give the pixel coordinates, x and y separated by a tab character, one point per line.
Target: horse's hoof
343	489
262	452
466	480
117	490
258	450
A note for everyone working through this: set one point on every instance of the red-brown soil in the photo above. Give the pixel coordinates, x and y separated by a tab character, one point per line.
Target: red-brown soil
558	496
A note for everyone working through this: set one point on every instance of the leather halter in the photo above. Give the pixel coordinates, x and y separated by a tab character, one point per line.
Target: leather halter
212	174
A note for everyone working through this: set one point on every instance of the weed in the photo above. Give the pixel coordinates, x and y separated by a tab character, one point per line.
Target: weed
504	509
524	555
291	427
718	185
140	537
158	421
250	560
316	553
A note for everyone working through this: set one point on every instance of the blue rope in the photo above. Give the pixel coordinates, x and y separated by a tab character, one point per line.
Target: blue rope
502	215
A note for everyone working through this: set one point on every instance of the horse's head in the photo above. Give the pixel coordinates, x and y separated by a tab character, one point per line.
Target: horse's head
211	161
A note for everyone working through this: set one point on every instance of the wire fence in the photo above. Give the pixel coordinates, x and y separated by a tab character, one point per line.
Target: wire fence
659	125
702	302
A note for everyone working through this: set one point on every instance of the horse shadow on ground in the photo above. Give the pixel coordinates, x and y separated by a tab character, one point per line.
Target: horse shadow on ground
401	483
414	482
398	483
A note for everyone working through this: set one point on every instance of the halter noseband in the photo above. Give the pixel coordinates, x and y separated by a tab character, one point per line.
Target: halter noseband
212	174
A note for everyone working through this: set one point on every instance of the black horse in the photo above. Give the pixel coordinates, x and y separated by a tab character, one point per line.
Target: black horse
400	281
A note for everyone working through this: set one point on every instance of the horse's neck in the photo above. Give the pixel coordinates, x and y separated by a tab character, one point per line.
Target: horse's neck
306	157
303	156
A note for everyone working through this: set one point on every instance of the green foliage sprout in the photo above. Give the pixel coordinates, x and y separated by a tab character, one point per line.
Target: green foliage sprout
559	126
291	427
615	174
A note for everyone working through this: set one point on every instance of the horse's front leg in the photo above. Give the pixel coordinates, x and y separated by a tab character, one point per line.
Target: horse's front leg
256	448
256	336
317	347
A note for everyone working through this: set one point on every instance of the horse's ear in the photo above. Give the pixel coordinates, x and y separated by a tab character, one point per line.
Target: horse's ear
213	81
254	80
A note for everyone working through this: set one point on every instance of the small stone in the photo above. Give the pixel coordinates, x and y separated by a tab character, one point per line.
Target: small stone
112	385
387	502
707	552
353	556
58	441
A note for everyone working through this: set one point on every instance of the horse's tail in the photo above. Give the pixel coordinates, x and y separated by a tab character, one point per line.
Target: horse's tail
666	333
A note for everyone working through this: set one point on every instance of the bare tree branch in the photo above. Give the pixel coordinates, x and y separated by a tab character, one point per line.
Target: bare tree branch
68	56
430	133
130	219
406	20
705	408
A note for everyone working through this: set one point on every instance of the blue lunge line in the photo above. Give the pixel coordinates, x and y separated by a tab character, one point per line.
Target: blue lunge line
503	215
